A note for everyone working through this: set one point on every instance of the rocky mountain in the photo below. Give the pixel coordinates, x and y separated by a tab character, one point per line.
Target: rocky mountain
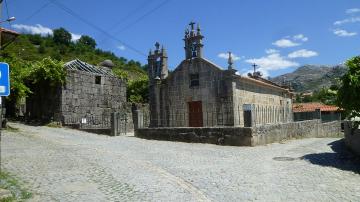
311	77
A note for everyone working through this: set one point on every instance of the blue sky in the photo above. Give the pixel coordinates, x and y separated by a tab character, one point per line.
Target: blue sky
278	35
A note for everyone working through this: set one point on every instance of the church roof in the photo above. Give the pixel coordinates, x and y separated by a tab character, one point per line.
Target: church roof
312	106
83	66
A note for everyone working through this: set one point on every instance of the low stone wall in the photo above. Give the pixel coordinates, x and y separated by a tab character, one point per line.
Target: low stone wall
243	136
352	137
236	136
266	134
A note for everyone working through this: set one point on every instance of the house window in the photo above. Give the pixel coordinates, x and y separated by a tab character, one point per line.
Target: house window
194	80
97	79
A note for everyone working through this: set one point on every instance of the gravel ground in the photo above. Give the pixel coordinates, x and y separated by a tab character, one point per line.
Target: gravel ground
60	164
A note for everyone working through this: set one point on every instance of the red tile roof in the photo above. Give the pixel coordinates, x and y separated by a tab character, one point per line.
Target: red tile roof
8	31
312	106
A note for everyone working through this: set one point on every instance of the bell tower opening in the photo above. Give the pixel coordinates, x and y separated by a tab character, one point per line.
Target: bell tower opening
193	41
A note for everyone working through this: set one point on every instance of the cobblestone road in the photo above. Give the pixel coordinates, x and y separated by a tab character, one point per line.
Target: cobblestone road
69	165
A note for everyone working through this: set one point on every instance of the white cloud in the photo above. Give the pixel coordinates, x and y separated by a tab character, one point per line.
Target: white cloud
121	47
272	62
303	53
285	43
343	33
300	37
347	20
226	56
75	37
352	10
37	29
271	51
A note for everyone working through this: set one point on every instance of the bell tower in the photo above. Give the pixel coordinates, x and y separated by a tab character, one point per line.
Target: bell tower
193	42
157	71
157	63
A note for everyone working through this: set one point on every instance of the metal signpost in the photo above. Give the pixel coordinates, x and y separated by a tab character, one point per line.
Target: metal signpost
4	91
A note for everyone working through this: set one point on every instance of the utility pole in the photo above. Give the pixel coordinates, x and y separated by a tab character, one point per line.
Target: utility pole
1	110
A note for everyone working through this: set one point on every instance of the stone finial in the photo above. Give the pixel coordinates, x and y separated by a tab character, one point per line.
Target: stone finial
163	50
198	29
186	33
157	45
230	61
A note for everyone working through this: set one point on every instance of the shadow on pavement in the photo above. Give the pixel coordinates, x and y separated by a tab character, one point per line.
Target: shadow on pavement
342	158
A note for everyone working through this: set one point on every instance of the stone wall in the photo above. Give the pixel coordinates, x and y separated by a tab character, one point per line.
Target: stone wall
82	97
352	137
235	136
270	133
243	136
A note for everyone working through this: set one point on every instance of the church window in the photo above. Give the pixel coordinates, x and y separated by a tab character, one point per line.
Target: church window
194	80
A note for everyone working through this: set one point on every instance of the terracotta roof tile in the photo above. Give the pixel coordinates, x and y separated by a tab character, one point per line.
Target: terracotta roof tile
312	106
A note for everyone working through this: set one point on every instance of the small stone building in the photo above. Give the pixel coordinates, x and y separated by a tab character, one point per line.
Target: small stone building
199	93
91	92
316	110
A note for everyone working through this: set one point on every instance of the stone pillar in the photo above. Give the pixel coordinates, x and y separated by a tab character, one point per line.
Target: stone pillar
114	124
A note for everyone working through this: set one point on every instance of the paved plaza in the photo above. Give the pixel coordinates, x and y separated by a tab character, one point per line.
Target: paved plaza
59	164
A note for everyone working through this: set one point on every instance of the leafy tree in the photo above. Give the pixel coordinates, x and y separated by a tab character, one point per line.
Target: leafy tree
121	73
87	41
349	91
138	91
42	49
61	36
19	71
35	39
326	96
49	71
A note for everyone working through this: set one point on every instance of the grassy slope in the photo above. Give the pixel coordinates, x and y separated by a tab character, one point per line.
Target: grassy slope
28	48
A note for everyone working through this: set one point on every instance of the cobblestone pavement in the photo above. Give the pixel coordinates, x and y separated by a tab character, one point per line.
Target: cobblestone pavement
69	165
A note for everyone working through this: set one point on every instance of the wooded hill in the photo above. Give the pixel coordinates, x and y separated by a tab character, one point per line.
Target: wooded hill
29	49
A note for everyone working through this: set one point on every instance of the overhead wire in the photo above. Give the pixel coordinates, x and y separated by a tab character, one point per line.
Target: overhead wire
37	11
140	18
131	13
72	13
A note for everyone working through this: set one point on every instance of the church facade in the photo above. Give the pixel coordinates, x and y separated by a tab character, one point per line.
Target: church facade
199	93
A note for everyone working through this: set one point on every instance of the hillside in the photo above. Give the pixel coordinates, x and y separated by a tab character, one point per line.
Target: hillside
35	47
312	77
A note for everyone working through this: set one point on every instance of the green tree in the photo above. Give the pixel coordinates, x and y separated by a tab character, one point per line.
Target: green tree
87	41
19	72
48	71
349	92
35	39
326	96
61	36
138	90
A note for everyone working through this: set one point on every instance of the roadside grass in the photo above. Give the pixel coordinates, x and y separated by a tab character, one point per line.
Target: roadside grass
11	129
54	125
13	185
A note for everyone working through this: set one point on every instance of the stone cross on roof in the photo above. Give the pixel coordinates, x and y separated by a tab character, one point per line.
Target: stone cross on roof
230	61
192	25
254	65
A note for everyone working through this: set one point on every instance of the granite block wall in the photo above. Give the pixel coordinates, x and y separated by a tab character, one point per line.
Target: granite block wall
244	136
84	95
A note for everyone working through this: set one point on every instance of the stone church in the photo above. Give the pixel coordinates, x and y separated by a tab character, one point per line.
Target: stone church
199	93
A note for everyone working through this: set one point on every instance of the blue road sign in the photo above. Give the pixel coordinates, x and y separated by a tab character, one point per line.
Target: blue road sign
4	79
